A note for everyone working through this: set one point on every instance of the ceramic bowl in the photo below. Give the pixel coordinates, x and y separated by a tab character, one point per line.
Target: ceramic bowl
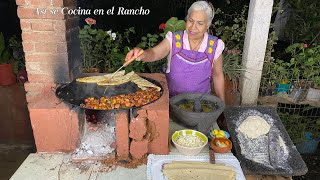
190	151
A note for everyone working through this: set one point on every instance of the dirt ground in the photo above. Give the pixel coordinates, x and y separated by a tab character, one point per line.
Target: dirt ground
313	163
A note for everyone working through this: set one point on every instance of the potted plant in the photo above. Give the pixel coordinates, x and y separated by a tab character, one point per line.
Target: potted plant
303	131
87	36
6	73
19	66
280	75
232	71
311	70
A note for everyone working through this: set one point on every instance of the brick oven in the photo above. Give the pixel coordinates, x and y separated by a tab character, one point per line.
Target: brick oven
52	54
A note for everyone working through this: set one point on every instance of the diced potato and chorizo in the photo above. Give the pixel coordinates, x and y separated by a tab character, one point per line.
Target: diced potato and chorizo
137	99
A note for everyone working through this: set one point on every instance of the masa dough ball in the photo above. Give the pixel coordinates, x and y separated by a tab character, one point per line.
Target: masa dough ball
254	126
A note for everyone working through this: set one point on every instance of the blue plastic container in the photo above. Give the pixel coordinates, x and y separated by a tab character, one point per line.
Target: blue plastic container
309	145
282	88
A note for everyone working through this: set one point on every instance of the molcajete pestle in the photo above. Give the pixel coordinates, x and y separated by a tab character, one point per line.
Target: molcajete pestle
201	121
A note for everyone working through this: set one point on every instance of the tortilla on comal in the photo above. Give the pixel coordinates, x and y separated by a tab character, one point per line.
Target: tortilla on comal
96	79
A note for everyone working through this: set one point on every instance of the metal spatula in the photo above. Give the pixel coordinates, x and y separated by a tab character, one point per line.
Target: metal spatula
126	64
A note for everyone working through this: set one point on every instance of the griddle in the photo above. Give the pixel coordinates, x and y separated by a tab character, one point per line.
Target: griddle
75	93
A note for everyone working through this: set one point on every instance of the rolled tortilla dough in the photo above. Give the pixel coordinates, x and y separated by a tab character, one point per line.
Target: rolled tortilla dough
254	126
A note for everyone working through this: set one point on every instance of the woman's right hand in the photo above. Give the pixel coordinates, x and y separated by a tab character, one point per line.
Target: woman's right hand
134	53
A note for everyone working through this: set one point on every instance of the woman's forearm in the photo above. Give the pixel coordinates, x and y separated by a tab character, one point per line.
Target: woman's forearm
219	89
156	53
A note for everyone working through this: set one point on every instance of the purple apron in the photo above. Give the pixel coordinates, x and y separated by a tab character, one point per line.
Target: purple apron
190	71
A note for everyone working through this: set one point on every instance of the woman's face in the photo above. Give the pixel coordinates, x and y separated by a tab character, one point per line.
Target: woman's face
197	24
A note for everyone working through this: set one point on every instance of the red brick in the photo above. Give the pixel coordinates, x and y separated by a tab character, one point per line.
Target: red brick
60	25
160	144
38	3
62	47
28	47
25	25
65	3
34	86
31	13
21	2
122	134
138	128
158	116
45	36
55	129
40	78
56	70
67	24
163	102
42	25
28	13
138	148
50	58
46	47
142	113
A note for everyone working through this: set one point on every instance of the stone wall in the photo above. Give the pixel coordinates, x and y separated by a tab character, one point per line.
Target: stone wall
147	132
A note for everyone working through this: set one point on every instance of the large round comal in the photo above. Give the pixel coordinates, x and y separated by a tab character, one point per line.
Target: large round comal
189	142
76	93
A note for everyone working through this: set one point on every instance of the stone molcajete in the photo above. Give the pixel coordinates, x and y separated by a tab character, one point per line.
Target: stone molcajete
201	121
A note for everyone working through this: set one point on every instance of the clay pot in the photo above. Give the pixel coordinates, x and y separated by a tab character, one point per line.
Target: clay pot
6	75
220	149
231	92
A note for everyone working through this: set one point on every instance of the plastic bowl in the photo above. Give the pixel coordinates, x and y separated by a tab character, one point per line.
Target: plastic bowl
190	151
220	149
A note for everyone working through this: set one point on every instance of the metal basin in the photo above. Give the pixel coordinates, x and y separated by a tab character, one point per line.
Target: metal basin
201	121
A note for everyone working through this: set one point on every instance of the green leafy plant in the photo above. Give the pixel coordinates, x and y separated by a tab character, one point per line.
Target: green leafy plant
103	49
297	126
4	53
303	23
15	45
305	61
147	42
232	34
174	24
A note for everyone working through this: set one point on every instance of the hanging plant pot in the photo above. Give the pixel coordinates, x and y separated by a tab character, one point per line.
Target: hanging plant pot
6	75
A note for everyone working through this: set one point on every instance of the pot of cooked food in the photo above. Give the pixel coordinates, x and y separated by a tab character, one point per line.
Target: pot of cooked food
121	91
181	110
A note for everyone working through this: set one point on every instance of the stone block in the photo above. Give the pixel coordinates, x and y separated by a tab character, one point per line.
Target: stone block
138	128
139	148
158	118
55	125
122	134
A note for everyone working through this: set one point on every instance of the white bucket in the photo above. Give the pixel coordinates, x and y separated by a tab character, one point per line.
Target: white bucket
313	94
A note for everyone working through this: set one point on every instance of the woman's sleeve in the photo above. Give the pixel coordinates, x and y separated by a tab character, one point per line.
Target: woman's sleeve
169	37
219	50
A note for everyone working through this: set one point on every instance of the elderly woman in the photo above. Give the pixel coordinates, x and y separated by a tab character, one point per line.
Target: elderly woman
194	56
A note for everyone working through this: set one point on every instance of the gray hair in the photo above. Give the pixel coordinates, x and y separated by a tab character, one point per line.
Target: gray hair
204	6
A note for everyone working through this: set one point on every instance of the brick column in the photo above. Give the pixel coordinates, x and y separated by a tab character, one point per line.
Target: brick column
52	53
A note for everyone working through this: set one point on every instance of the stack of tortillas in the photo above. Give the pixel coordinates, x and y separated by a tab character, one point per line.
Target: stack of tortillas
119	78
116	80
96	79
189	170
